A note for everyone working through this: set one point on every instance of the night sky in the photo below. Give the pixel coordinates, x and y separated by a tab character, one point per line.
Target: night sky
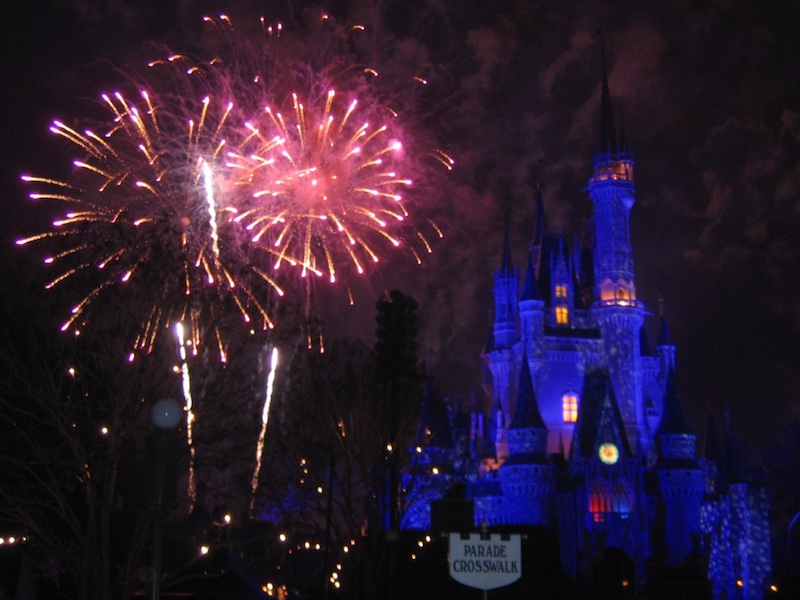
708	93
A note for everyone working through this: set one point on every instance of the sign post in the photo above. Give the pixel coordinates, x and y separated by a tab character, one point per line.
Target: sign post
485	561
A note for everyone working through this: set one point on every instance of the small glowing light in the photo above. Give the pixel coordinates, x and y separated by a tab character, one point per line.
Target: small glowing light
104	430
203	549
420	543
739	583
337	584
227	519
389	447
773	588
319	489
428	539
624	583
307	545
317	546
435	470
71	371
282	537
413	557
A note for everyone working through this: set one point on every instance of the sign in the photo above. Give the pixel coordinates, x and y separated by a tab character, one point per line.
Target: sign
485	562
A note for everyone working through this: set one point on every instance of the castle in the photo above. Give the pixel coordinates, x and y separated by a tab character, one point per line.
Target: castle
584	433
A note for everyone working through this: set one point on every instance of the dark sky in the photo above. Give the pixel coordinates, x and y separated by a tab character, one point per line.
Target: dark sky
709	95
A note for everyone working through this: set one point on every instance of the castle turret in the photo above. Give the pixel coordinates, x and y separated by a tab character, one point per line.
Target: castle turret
505	299
506	333
619	314
531	310
681	479
664	347
527	477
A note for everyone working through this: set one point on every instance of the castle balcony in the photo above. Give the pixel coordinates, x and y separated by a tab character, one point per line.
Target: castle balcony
618	302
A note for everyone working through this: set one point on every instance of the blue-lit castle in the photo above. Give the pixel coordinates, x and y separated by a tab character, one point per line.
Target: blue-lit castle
583	433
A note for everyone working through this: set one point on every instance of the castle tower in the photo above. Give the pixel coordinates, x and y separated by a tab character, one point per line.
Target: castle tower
531	311
527	478
681	480
506	322
434	461
505	334
611	496
618	313
664	347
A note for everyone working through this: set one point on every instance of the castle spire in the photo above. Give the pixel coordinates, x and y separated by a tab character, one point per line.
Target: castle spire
673	422
608	142
506	308
526	415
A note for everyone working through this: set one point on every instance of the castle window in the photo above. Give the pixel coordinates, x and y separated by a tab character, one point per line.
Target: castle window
569	402
607	290
623	497
561	291
599	499
562	315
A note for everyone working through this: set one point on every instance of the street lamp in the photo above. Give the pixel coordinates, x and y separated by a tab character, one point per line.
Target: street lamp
163	462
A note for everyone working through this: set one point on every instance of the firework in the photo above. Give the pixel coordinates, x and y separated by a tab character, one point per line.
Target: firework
205	184
148	214
322	183
273	365
188	399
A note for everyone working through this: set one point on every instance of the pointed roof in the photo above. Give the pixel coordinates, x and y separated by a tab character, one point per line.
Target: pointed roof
713	448
530	290
673	421
608	142
598	416
644	343
527	415
732	468
506	264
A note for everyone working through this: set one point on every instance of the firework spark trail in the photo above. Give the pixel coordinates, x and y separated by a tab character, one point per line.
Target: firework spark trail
186	384
208	184
264	422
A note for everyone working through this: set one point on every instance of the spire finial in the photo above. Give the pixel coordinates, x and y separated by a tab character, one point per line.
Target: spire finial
608	144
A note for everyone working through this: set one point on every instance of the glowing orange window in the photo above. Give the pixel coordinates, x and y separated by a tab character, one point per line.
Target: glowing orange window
561	291
562	315
569	403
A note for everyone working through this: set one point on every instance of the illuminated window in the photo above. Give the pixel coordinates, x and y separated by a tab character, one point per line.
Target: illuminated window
562	315
607	290
623	497
561	291
599	499
569	402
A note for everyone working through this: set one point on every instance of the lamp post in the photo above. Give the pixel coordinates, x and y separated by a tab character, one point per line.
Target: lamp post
163	463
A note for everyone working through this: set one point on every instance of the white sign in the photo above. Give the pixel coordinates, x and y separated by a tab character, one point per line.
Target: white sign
486	563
